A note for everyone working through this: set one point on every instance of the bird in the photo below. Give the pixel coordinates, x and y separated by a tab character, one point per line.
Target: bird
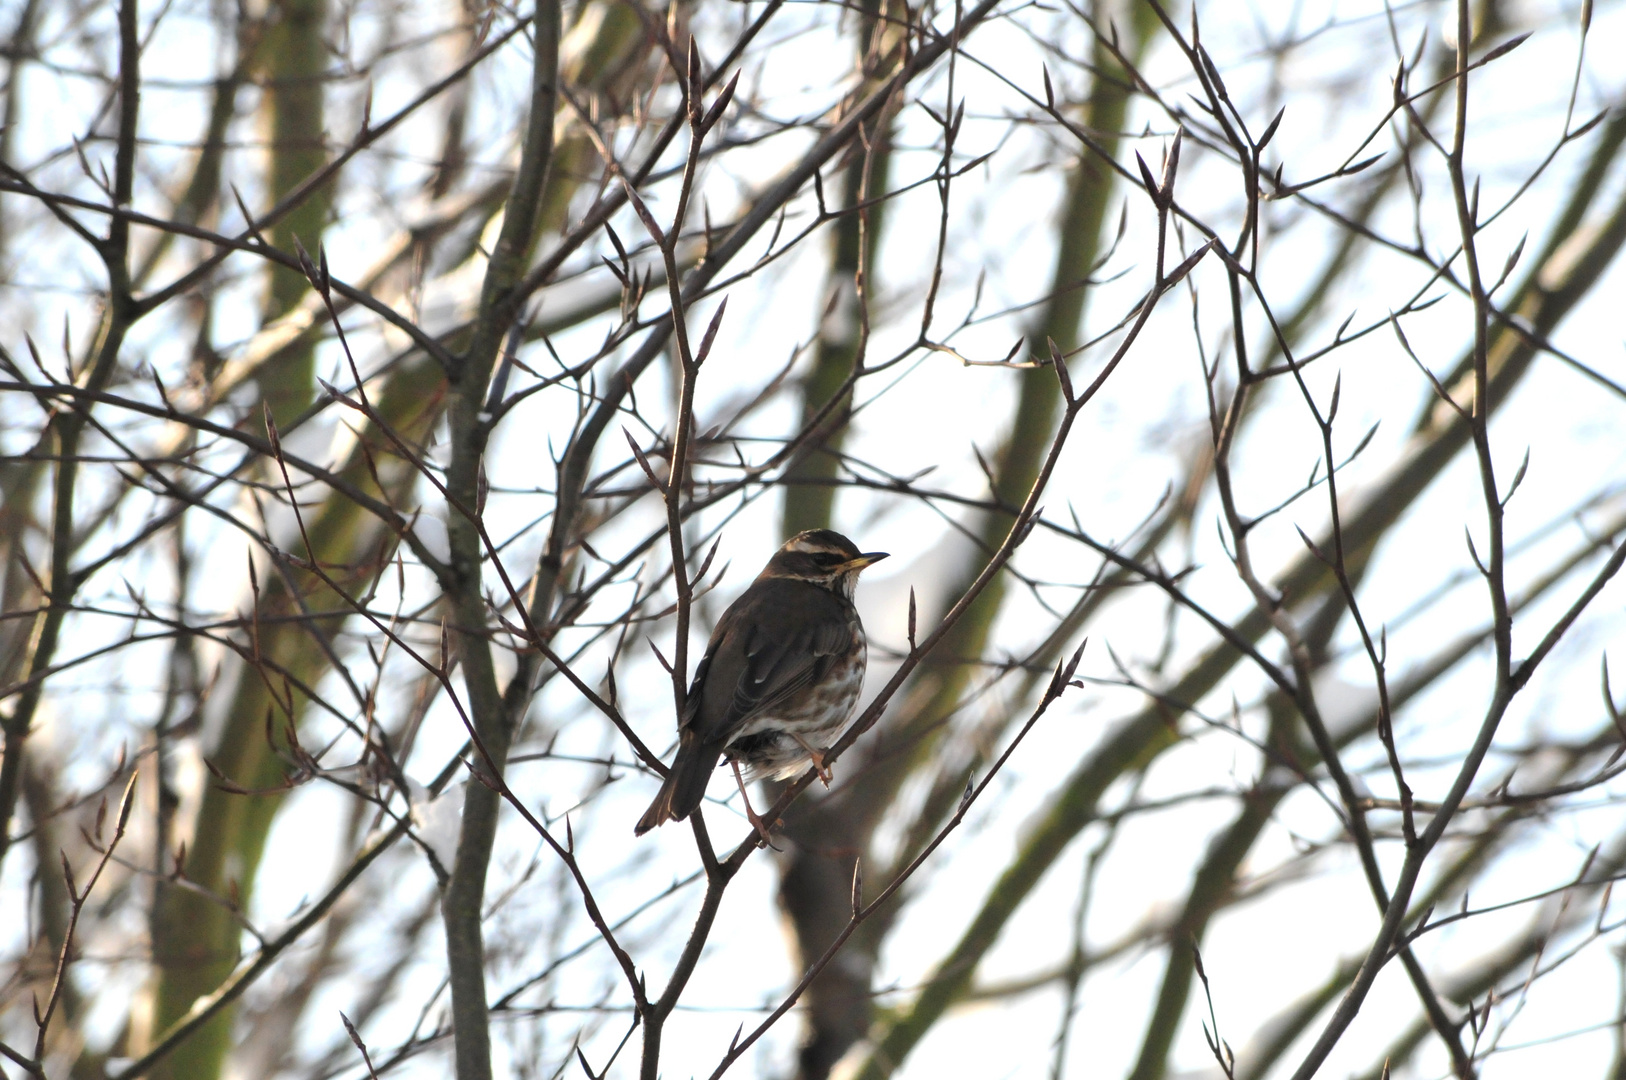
779	679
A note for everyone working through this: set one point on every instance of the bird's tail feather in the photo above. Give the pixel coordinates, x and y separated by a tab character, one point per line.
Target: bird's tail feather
684	787
659	812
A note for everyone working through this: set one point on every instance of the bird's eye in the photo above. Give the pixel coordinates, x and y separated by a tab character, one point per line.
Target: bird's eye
826	558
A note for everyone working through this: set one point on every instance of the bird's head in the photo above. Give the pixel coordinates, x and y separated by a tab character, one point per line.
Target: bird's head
824	558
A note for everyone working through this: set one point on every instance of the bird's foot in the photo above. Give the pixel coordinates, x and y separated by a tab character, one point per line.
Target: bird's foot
759	825
751	815
817	758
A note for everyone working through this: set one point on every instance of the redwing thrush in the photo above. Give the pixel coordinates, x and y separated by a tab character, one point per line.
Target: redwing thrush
780	677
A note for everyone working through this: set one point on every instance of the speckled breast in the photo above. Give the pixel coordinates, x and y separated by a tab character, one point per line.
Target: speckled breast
776	745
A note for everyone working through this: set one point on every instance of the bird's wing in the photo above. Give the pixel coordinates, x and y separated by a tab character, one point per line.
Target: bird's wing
766	648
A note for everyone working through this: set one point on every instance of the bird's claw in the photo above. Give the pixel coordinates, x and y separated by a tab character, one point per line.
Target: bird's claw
760	826
751	815
816	756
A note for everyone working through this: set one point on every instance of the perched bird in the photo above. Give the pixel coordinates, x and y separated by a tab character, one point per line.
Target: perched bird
780	676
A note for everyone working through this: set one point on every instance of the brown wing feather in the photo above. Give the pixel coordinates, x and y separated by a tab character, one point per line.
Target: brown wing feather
779	637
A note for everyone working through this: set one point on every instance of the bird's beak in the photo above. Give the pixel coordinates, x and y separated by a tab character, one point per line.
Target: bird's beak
868	558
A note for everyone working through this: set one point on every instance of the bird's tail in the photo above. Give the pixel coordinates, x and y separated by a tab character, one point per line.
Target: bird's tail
684	787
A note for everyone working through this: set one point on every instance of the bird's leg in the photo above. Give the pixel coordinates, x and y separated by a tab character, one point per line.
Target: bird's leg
750	814
816	756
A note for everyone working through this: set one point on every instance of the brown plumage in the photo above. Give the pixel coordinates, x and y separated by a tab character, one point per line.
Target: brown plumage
780	676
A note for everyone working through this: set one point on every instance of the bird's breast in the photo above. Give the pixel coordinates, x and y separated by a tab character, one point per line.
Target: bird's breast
776	744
